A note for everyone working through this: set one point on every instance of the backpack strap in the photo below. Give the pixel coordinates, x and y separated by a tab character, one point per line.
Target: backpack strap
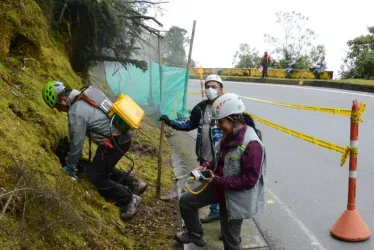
103	107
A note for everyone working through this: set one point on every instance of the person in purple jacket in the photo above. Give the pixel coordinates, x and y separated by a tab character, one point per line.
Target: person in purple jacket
237	180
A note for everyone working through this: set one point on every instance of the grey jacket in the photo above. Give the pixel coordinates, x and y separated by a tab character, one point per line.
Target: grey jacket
247	203
292	64
86	120
322	65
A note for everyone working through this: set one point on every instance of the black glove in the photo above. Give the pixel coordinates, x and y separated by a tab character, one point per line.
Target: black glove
165	118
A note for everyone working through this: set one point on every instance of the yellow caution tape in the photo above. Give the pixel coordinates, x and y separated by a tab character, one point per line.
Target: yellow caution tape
307	138
356	116
361	110
333	111
319	142
194	92
345	156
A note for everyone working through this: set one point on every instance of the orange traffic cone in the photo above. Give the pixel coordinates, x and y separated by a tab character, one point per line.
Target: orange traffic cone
350	226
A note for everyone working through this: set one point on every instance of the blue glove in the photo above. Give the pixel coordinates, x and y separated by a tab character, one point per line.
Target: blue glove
71	171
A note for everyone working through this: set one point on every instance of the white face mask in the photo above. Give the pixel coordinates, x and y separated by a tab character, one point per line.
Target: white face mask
211	93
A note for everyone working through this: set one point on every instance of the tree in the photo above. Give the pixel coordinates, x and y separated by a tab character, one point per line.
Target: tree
359	62
246	57
194	64
103	30
173	47
303	61
297	40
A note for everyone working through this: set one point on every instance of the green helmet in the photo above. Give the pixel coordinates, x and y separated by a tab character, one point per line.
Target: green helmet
51	91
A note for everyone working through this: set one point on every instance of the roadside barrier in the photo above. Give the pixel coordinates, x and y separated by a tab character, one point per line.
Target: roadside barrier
254	72
349	226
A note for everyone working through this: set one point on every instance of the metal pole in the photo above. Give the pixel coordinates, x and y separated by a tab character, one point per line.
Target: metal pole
150	70
160	66
188	64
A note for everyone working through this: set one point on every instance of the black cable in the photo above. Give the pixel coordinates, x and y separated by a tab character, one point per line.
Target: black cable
133	163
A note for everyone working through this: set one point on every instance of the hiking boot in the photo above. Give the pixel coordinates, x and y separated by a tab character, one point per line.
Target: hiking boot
186	237
209	218
139	187
132	208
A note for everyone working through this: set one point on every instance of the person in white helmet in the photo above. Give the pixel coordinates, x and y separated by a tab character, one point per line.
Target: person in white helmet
238	176
208	134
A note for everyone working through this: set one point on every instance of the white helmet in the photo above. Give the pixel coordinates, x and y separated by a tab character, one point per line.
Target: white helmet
214	78
227	104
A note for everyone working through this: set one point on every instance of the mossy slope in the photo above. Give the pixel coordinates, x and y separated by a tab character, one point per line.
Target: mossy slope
56	212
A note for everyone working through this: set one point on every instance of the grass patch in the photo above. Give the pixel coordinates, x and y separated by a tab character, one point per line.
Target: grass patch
356	81
43	207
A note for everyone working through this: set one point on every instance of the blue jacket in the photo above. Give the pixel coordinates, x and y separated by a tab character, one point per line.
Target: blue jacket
196	121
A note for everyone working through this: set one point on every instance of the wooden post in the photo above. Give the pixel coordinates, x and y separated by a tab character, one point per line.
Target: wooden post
160	159
188	64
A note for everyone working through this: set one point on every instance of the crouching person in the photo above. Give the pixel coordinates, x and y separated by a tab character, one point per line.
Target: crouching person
237	177
86	119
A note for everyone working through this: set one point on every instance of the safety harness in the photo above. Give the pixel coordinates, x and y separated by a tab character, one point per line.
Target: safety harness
99	100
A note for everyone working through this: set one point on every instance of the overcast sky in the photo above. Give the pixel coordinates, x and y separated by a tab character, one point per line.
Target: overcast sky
222	25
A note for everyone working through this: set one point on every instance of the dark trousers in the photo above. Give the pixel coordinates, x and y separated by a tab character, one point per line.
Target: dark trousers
109	180
189	205
264	70
317	73
288	71
214	208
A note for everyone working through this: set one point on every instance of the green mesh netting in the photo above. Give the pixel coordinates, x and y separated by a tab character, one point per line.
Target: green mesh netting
144	87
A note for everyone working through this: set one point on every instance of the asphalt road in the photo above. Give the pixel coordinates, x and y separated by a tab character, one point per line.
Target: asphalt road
307	188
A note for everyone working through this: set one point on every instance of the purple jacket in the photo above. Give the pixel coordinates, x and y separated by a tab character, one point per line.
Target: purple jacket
251	165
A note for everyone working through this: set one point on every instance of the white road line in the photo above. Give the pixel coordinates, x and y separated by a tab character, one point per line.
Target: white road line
313	239
305	88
